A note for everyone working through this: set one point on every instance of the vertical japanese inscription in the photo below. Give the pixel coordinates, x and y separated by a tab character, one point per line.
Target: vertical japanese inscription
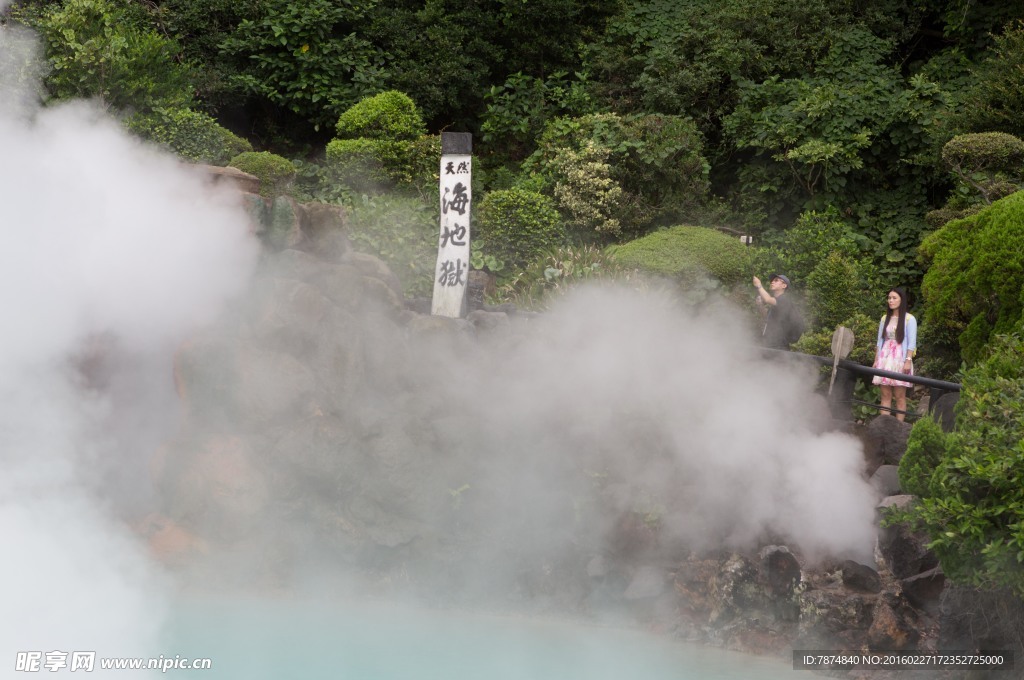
453	243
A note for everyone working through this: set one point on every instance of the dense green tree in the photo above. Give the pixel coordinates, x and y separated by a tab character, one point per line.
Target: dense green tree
309	58
995	99
108	50
447	54
620	174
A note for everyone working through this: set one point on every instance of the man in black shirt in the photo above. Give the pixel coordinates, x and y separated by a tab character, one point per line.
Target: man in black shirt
783	324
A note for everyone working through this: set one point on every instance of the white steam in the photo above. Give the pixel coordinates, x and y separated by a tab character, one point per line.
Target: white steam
111	255
720	446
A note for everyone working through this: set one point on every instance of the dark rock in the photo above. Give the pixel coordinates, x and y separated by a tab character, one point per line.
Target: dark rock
780	576
342	284
691	583
287	316
886	439
780	571
905	551
476	286
890	630
861	578
944	410
735	591
420	305
270	386
886	480
216	483
488	322
833	618
258	210
924	590
293	264
319	450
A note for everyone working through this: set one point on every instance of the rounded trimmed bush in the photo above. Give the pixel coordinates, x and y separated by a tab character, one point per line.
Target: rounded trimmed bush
275	172
687	254
390	115
193	135
984	151
972	288
516	225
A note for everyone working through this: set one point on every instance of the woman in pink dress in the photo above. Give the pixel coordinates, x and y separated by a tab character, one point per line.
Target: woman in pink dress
897	345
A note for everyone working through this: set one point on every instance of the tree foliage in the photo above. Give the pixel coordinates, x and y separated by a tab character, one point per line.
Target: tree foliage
310	58
107	50
193	135
995	101
971	481
652	164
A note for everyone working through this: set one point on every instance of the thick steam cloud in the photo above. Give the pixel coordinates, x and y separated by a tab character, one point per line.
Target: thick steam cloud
112	255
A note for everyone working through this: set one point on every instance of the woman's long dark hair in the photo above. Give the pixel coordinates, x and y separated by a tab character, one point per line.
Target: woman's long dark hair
902	311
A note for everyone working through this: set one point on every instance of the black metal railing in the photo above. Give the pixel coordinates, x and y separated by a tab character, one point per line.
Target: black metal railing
842	394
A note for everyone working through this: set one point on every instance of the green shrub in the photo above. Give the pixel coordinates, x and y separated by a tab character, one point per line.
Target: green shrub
389	115
377	164
834	290
106	49
586	193
275	172
972	504
518	109
802	247
193	135
687	254
865	337
656	160
558	270
402	231
316	183
925	448
972	288
516	225
355	163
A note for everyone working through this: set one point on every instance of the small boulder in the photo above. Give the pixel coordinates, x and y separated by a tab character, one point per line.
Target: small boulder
890	630
861	578
886	480
886	439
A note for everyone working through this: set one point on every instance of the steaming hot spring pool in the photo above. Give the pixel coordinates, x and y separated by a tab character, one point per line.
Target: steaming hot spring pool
284	639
